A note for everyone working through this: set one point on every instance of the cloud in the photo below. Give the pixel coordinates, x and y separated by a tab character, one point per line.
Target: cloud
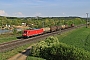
38	14
3	13
18	14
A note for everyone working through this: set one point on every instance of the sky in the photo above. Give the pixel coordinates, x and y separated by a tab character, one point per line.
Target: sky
44	8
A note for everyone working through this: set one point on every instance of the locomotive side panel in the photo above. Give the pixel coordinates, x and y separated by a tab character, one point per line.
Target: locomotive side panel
39	31
28	33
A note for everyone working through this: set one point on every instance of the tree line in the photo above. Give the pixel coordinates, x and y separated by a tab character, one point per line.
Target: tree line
39	22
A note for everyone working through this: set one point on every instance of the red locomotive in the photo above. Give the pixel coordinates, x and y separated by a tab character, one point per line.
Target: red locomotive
28	33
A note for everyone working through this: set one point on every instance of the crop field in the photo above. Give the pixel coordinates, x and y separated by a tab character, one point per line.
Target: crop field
79	38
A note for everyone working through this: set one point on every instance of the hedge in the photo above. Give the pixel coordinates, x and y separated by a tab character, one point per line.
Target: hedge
52	49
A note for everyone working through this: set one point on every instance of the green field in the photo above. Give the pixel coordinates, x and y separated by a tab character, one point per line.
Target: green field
79	38
8	37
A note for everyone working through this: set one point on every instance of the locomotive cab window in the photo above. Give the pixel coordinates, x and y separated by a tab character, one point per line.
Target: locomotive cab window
25	31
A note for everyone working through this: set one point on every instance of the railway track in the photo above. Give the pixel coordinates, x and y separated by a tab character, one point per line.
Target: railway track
13	44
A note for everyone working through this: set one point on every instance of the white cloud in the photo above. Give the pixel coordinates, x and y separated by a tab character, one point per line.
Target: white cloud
18	14
38	14
3	13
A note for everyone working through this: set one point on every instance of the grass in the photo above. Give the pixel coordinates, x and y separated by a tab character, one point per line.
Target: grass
79	38
8	37
6	55
34	58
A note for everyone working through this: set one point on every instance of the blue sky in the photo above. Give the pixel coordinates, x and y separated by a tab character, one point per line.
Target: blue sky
48	8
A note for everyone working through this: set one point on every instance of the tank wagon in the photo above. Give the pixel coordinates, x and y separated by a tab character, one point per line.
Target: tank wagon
62	27
46	29
72	25
53	28
58	28
66	26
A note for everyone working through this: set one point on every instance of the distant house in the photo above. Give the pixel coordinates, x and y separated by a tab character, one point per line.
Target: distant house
23	24
21	28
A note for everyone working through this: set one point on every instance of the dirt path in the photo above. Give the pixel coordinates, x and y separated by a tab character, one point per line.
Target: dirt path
21	56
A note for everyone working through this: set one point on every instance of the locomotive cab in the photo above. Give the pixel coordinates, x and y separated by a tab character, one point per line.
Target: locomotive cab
25	34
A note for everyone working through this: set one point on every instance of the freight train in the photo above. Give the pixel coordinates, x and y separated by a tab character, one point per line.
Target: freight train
30	33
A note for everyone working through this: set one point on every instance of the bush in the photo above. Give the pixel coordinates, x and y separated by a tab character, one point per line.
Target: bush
51	49
14	31
37	48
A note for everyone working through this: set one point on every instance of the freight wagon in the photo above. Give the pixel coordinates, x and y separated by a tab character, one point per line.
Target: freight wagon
72	25
62	27
46	29
53	28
